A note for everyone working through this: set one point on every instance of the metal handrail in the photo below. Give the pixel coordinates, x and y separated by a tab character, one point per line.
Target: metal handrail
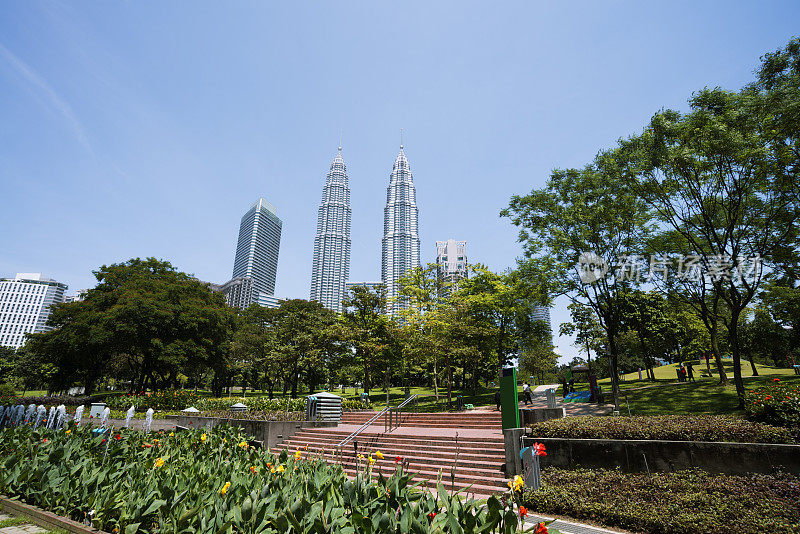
399	409
358	431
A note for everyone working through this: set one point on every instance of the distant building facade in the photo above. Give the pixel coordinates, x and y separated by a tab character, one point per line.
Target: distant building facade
331	265
451	260
25	303
77	297
258	247
400	244
542	313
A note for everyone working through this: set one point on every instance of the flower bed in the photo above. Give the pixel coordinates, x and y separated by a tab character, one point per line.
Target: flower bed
689	501
776	403
664	427
198	481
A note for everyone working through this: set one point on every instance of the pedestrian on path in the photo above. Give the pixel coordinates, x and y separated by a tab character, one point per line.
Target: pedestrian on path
526	392
690	372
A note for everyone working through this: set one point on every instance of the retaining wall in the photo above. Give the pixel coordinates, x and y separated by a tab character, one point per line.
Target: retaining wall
270	433
666	456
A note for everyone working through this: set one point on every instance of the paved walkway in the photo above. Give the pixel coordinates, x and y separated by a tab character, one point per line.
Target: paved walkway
573	408
568	527
22	528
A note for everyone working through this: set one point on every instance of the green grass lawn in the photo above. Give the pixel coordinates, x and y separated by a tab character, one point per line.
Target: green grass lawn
668	396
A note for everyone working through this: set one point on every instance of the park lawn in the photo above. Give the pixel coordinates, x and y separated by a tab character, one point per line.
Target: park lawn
668	396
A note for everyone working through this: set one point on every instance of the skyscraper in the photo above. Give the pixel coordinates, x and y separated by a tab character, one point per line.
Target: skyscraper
451	259
400	245
331	266
257	249
25	302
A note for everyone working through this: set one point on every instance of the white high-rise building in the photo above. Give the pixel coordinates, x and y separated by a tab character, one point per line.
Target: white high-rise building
331	265
258	248
400	245
25	302
451	259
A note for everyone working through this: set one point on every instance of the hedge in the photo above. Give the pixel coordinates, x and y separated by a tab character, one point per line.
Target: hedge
689	502
664	427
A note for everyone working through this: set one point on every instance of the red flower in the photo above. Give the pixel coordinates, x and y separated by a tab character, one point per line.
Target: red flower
397	459
523	512
117	437
776	379
104	440
431	516
539	450
541	528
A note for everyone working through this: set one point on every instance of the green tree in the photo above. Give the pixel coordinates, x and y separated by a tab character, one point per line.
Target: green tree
584	325
591	216
363	327
151	320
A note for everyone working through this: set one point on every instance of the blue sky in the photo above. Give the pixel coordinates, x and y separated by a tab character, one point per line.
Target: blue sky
148	128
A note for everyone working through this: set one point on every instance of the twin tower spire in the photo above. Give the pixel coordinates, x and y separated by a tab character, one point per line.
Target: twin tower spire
400	243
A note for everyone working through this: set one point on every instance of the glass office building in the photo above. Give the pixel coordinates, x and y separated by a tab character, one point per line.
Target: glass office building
451	260
400	244
25	302
258	247
331	265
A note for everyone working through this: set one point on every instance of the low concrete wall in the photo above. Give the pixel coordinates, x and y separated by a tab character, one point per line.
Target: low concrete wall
528	416
136	424
270	433
666	456
44	518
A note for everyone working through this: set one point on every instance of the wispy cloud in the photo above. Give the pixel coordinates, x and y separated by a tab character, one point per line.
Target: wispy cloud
50	95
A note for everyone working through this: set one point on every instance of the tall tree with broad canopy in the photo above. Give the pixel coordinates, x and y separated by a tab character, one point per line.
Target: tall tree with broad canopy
159	321
583	221
715	177
363	327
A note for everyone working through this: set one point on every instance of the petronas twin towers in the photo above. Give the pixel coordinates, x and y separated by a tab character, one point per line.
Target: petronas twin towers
400	244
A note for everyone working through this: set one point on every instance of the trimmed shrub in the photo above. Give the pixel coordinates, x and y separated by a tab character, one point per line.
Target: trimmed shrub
689	502
777	403
664	427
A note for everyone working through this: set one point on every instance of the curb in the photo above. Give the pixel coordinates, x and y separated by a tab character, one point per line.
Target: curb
46	519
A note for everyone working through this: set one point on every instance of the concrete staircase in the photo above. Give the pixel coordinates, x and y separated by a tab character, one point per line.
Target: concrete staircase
470	442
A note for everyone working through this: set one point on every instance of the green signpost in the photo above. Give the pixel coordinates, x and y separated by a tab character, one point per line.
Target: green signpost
509	401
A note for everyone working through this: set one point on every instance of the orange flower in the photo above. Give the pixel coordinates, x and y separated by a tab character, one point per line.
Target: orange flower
253	470
541	528
523	512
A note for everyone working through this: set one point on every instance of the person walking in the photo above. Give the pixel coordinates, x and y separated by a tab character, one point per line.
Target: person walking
690	372
683	373
526	391
497	399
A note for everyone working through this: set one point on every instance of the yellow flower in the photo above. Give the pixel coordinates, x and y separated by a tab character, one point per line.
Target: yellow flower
360	456
68	432
371	460
516	483
243	445
203	437
297	455
224	489
281	469
159	462
171	434
224	440
379	455
272	470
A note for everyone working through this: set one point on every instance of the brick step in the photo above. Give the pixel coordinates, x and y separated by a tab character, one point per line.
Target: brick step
480	490
338	435
433	448
479	485
490	467
426	418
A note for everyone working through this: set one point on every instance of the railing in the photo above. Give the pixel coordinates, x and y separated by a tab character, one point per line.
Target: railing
388	425
358	431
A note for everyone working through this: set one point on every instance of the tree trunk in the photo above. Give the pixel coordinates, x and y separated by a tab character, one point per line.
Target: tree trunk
733	338
723	378
753	366
612	345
